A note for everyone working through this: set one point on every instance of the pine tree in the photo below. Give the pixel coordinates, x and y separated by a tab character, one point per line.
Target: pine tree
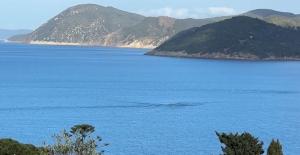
275	148
240	144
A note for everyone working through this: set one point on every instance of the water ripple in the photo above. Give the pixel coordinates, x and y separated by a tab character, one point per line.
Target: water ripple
136	105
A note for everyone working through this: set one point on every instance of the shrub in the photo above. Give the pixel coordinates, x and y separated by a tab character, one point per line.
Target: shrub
79	141
12	147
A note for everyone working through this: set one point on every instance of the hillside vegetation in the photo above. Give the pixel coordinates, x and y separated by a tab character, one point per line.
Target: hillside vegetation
91	24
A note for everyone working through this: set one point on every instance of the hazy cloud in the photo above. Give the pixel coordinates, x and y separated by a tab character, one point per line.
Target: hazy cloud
221	11
189	13
167	11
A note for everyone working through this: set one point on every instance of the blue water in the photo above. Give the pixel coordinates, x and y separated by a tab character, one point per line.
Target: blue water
144	105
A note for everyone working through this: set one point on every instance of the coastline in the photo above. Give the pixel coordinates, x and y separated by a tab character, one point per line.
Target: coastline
50	43
179	54
55	43
217	56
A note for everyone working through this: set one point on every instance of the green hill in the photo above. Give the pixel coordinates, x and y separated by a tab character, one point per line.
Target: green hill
236	38
93	24
87	23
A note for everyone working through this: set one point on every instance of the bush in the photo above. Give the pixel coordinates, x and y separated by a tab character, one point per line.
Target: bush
244	144
79	141
275	148
12	147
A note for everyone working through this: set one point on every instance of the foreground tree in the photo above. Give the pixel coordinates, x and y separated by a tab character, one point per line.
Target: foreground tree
79	141
240	144
275	148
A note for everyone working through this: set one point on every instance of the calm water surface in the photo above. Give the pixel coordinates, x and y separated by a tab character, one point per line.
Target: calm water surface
143	104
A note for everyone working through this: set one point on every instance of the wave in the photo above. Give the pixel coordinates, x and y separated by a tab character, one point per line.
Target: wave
136	105
257	91
171	104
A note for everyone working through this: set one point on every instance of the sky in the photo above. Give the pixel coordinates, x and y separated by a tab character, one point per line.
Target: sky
30	14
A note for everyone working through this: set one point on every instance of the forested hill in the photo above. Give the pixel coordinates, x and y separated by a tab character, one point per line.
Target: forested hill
236	38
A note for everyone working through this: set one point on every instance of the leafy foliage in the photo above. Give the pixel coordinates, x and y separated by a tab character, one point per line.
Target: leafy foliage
80	141
240	144
275	148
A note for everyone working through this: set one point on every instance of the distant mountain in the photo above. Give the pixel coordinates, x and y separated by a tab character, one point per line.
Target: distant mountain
91	24
82	24
5	34
285	19
268	12
240	37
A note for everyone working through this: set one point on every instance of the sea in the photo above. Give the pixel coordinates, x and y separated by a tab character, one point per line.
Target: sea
146	105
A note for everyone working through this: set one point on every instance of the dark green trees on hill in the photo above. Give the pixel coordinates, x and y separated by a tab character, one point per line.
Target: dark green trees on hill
236	38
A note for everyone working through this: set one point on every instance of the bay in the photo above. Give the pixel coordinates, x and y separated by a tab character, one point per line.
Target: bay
143	104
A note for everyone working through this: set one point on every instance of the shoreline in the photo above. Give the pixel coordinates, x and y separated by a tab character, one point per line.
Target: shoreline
180	54
54	43
215	56
50	43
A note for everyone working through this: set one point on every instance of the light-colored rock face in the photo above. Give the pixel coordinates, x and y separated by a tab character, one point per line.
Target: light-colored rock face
135	44
53	43
139	44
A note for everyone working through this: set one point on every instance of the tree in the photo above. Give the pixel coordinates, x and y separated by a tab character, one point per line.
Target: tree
84	144
83	129
275	148
63	144
79	141
240	144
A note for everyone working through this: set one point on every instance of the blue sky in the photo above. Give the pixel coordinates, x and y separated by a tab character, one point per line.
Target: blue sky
29	14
